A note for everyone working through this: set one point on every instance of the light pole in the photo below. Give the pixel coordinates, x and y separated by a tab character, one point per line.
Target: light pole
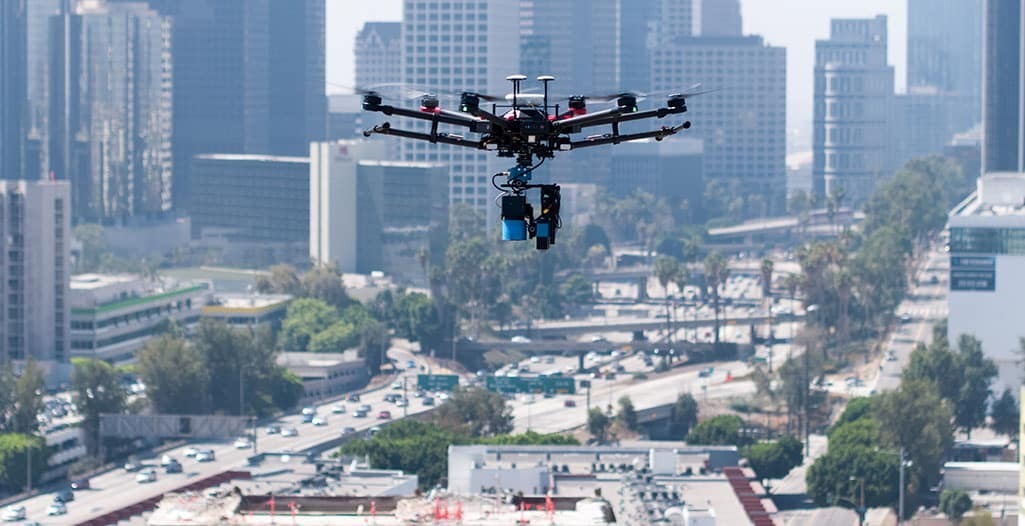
861	498
900	483
809	311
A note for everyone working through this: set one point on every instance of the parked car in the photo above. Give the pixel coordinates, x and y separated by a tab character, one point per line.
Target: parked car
384	415
82	483
55	508
206	455
147	475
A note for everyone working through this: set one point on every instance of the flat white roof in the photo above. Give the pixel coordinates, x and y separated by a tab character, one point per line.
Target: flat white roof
97	281
248	301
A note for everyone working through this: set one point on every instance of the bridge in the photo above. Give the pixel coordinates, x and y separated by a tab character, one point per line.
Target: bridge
581	327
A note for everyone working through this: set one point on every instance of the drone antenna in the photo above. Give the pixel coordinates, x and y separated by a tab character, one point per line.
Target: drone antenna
516	79
545	79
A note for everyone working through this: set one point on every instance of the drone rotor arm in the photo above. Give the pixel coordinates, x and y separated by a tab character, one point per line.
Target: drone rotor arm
657	113
443	138
441	116
658	135
590	119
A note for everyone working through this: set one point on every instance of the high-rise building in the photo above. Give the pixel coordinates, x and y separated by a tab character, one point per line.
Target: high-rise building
13	87
68	150
454	46
945	48
743	124
368	215
853	95
670	169
577	41
378	45
1003	110
721	18
125	96
638	28
35	235
298	104
37	66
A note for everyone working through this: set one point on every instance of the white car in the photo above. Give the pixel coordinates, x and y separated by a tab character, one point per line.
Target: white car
319	421
396	386
190	451
165	460
289	432
309	410
338	409
401	402
535	359
14	513
147	475
243	443
56	508
206	455
519	339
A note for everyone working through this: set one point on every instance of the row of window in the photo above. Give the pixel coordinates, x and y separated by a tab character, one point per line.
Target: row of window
114	340
987	241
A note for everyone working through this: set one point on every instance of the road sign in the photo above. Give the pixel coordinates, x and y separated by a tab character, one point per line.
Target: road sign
437	382
531	384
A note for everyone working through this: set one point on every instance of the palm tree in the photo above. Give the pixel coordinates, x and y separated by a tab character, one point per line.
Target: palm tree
666	268
680	280
766	269
716	274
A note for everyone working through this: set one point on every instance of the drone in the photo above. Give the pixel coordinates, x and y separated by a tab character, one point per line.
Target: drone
526	127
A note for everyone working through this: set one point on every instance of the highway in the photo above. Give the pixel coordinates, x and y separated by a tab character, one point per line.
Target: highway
114	489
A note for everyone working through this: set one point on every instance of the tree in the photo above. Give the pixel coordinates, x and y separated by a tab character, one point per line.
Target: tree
856	409
98	390
863	432
409	445
684	415
773	460
282	279
666	268
915	418
336	338
304	319
836	475
1005	414
598	424
977	373
373	343
722	430
175	374
627	416
477	412
716	273
577	290
15	450
24	398
94	247
955	503
766	273
325	283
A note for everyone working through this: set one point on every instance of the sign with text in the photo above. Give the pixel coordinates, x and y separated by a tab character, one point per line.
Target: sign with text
973	273
531	384
437	382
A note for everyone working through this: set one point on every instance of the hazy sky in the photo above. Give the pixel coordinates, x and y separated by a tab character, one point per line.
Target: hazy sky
793	24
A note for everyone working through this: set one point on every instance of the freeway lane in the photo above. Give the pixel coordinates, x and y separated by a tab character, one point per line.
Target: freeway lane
115	489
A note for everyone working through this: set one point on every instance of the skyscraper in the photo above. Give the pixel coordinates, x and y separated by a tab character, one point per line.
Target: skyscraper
454	46
577	41
721	18
945	55
298	104
1003	92
37	66
853	92
35	265
743	123
68	150
13	85
377	45
125	96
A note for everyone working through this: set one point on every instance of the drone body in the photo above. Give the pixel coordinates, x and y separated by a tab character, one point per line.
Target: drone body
526	127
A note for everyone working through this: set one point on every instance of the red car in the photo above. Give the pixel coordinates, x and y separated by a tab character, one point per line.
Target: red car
384	415
570	403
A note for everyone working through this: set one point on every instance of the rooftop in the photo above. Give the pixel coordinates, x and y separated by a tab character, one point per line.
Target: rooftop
998	194
252	158
223	303
309	359
97	281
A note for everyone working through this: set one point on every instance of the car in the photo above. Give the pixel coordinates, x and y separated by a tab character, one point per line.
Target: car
396	386
706	372
569	403
56	508
891	357
934	279
549	360
384	415
598	339
307	419
309	410
289	432
354	397
165	460
338	409
191	450
442	396
373	431
319	421
905	318
207	455
273	429
401	402
147	475
79	484
243	443
428	400
519	339
359	413
410	364
348	430
173	467
132	465
64	495
392	397
419	394
14	513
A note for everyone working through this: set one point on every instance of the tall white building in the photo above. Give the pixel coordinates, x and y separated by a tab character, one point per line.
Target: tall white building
853	96
987	272
35	232
455	46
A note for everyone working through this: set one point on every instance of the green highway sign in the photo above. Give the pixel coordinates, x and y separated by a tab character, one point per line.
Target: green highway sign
531	384
437	382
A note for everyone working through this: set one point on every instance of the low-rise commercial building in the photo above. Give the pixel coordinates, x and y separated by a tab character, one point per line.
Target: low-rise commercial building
248	310
113	316
326	374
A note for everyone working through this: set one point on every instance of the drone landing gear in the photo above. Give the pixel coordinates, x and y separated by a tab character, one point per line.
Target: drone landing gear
518	220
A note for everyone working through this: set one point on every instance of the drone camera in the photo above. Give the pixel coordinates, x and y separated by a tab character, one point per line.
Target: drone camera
514	217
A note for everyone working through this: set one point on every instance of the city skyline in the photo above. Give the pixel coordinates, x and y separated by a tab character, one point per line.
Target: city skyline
760	17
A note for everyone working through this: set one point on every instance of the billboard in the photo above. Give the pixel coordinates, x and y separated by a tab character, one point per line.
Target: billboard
973	273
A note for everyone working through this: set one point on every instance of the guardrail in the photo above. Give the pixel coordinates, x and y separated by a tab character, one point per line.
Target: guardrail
142	506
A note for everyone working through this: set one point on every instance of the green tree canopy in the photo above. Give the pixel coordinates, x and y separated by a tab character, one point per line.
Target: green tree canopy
325	284
15	449
338	337
598	424
627	415
719	430
684	415
915	418
175	374
835	476
476	412
863	432
304	319
955	503
773	460
21	397
98	390
856	408
1006	413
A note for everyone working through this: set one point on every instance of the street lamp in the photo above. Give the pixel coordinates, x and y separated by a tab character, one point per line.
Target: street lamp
809	311
861	498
